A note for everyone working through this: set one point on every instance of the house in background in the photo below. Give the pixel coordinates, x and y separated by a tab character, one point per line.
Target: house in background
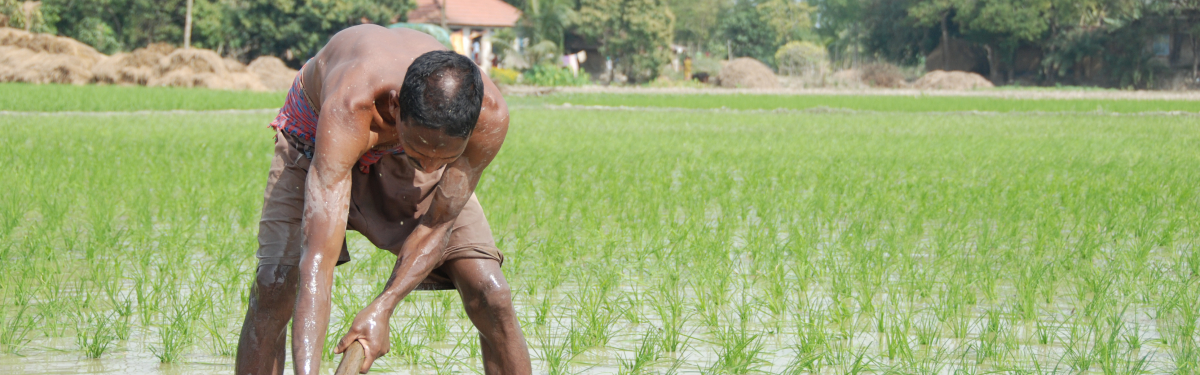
471	24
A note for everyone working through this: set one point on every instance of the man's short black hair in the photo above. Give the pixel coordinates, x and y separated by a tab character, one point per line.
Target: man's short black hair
442	90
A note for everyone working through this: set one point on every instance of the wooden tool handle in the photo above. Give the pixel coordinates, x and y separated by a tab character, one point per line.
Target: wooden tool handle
352	359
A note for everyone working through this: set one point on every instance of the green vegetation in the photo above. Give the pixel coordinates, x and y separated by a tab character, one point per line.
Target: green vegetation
654	241
857	102
242	29
50	98
551	75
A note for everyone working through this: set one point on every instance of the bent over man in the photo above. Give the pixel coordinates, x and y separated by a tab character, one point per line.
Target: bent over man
386	133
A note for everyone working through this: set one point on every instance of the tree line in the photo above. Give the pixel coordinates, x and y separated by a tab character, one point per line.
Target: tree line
1068	41
1107	42
243	29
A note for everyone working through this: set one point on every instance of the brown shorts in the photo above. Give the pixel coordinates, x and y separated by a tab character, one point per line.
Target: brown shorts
386	203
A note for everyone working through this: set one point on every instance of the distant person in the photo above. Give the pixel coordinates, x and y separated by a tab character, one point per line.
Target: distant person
687	67
386	133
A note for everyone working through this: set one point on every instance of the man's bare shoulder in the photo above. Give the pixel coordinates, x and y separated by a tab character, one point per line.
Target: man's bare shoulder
493	120
362	62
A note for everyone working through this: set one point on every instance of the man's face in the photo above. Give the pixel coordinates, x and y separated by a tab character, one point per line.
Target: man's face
429	149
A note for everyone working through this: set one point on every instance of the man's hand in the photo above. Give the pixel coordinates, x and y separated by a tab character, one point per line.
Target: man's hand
370	328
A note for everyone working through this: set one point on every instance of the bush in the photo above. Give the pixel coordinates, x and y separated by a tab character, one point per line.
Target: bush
501	76
550	75
801	58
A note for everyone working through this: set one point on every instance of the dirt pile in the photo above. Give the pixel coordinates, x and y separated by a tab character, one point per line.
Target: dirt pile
745	72
43	58
955	80
272	72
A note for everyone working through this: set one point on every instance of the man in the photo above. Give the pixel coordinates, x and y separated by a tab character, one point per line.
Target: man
404	131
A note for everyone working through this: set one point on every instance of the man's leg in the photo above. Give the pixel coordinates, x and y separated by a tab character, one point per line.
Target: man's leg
261	349
488	302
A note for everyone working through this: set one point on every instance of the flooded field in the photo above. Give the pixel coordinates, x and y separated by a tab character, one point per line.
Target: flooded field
641	241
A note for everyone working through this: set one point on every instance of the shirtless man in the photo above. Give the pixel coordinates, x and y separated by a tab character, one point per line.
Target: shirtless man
404	131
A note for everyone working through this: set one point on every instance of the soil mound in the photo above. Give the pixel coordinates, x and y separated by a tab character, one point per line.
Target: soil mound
43	58
745	72
955	80
272	72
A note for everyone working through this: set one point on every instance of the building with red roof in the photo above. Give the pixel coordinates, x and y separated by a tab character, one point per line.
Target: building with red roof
471	23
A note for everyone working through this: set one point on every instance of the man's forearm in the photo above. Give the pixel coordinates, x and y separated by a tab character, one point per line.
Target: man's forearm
416	259
323	234
311	319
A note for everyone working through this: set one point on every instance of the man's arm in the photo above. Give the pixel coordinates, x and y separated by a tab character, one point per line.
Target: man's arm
343	135
422	250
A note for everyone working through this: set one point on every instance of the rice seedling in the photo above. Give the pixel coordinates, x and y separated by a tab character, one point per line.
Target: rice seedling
644	355
819	242
556	356
432	320
593	319
176	335
452	358
407	345
14	333
94	334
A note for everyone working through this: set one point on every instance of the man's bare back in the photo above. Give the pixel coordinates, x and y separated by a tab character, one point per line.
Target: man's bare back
358	66
379	92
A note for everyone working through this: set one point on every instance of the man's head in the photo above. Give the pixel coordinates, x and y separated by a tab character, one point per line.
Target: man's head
439	105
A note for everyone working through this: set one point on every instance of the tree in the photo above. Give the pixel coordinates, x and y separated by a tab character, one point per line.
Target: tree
695	20
296	30
789	19
748	33
117	25
243	28
637	33
546	20
1001	25
937	12
839	24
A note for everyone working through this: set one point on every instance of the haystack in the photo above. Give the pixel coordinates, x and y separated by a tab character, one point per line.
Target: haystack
203	68
272	72
745	72
43	58
51	44
134	68
955	80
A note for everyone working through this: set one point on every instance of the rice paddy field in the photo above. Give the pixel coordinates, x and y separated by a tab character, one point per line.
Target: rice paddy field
643	234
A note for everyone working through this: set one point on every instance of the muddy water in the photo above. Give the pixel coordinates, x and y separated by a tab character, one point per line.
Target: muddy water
59	356
777	335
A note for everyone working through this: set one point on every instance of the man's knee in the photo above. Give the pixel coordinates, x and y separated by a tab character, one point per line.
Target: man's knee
491	298
274	285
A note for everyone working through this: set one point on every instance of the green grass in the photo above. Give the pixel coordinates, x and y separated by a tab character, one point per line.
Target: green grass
858	102
93	98
652	241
